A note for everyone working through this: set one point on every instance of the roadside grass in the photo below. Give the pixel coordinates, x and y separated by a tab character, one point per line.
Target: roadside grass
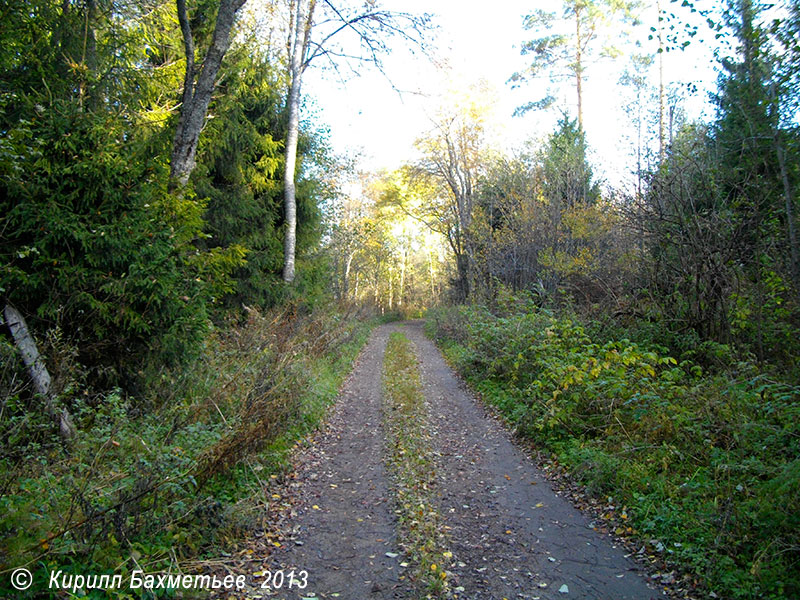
412	463
704	470
163	489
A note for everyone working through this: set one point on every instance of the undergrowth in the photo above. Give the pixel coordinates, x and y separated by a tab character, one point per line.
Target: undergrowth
412	462
160	489
707	466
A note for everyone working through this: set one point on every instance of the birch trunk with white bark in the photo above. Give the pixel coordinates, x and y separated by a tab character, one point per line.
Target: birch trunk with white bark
38	371
298	50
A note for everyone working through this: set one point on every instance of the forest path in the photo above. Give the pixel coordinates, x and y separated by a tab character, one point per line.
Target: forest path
512	536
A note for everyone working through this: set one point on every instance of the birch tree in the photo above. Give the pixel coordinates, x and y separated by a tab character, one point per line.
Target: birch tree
346	36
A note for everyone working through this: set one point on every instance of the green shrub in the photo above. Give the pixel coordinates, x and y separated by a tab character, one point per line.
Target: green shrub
706	464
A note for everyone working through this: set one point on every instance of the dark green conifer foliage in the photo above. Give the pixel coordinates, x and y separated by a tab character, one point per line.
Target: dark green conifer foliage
239	158
239	175
91	241
746	136
567	173
743	132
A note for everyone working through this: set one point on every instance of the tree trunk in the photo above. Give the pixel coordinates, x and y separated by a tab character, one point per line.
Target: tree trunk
89	58
37	371
788	195
660	85
430	264
462	284
391	290
289	196
197	96
346	282
579	67
299	46
377	284
402	277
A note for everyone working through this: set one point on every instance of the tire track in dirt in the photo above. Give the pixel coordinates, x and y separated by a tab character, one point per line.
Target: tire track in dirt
345	522
512	536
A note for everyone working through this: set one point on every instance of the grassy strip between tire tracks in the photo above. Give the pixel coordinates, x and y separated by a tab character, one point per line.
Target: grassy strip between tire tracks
412	462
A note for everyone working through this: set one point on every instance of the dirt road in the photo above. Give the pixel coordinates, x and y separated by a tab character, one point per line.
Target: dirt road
511	535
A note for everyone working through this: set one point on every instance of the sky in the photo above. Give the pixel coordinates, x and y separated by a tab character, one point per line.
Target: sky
370	118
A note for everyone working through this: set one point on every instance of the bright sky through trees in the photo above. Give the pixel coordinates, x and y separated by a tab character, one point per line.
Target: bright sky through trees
478	42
